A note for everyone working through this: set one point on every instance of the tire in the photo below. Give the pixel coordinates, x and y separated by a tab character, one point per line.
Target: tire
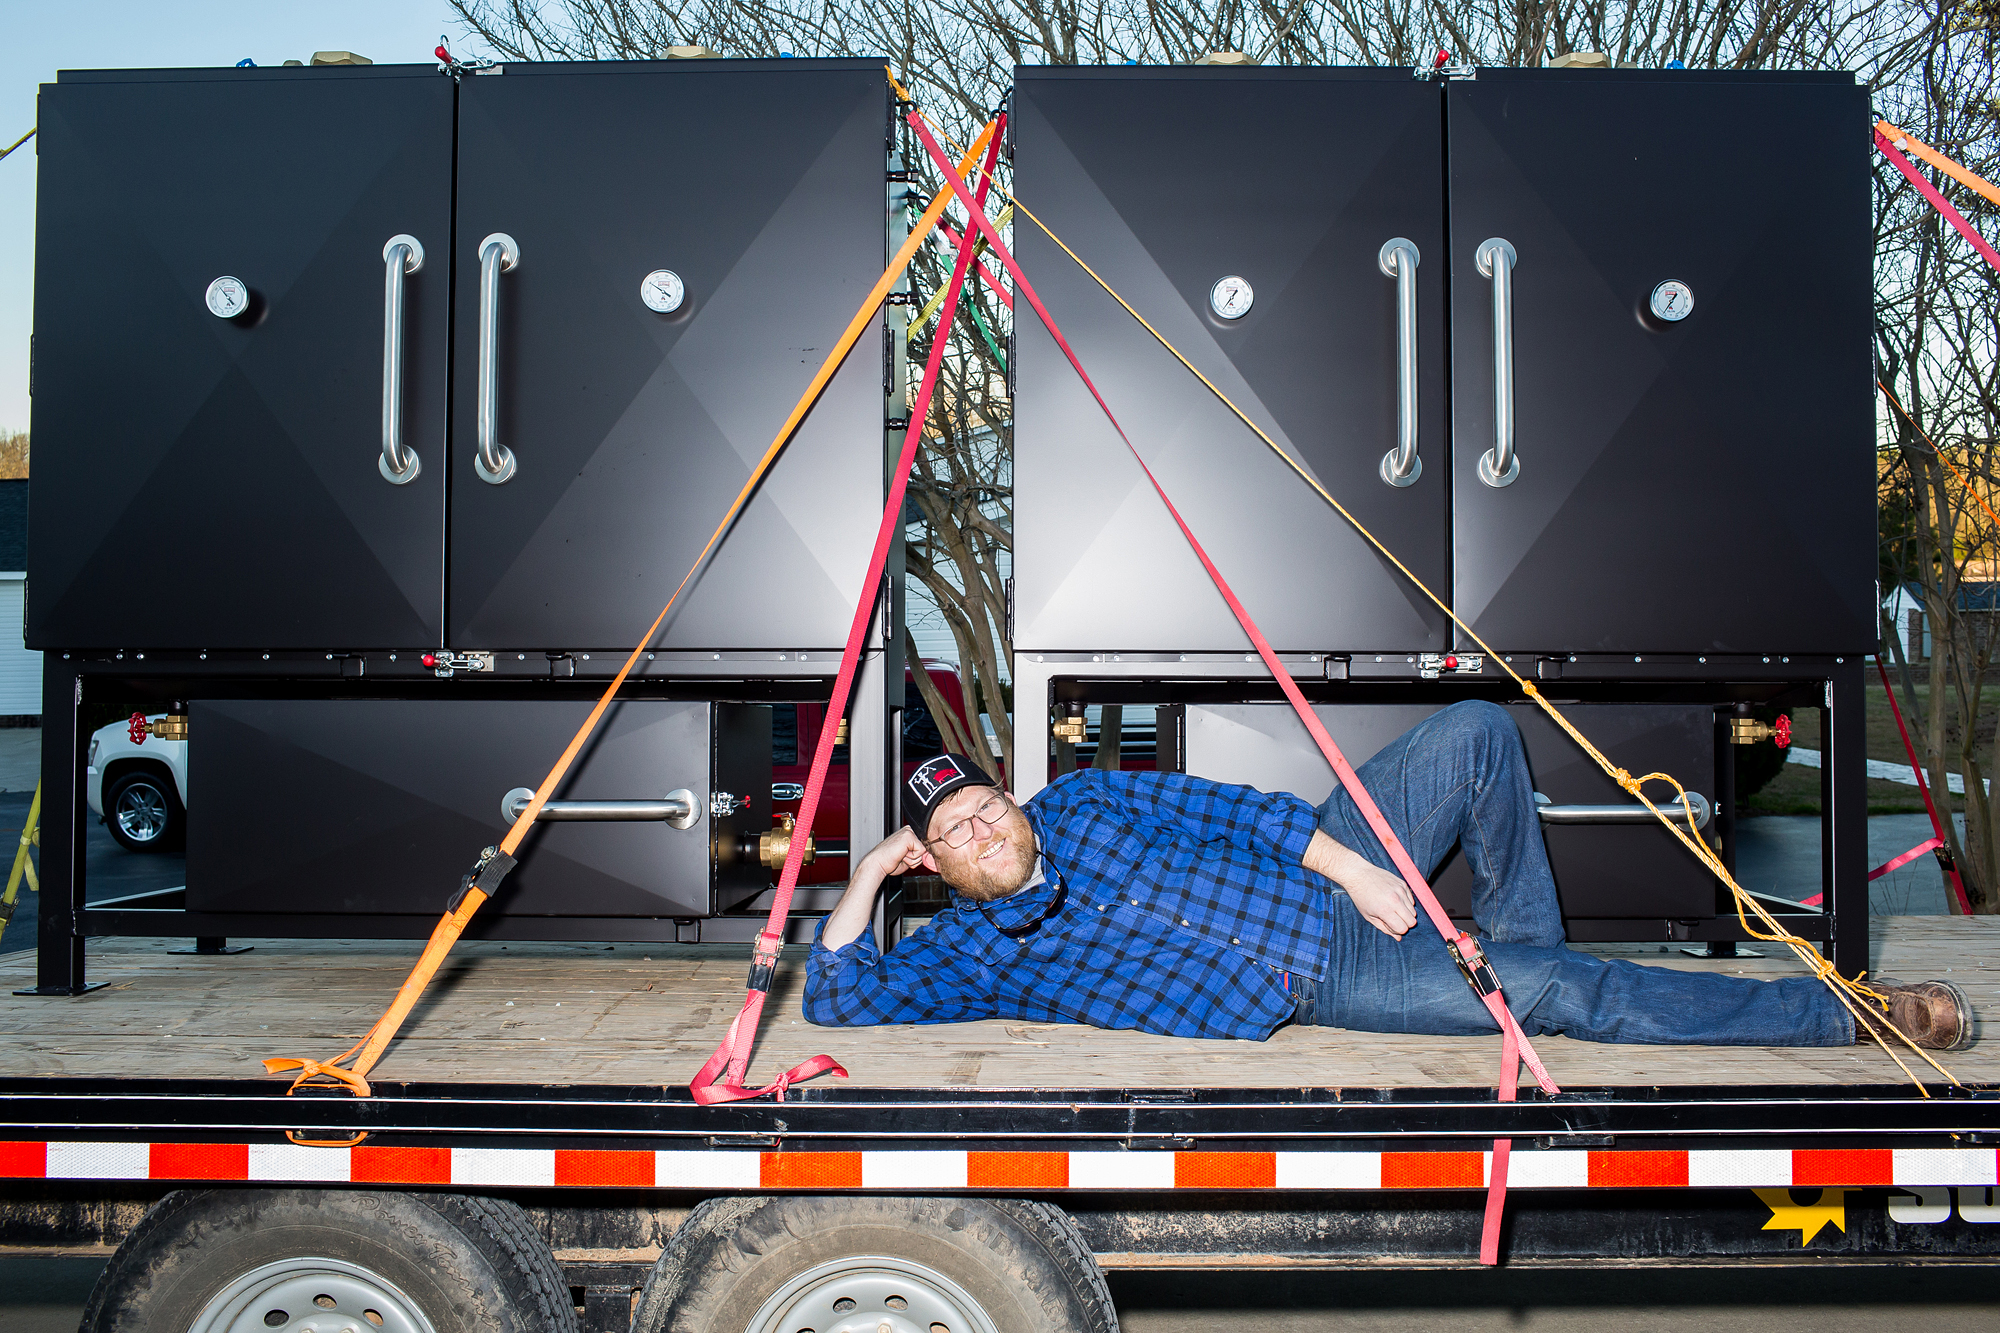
250	1261
144	813
780	1264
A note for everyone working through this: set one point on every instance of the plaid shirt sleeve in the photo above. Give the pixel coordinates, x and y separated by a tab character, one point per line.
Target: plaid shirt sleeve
929	977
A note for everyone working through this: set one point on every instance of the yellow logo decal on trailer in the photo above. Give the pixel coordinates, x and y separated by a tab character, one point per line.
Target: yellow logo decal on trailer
1808	1219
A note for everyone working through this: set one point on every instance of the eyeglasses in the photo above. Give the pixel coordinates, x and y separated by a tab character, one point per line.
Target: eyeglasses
990	813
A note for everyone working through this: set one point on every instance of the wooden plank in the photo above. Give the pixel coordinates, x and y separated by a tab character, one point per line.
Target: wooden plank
638	1014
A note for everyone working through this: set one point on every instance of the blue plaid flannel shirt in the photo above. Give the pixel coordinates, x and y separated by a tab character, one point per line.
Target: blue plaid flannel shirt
1168	903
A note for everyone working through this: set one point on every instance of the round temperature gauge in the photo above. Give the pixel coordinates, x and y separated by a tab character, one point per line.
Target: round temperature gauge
663	291
1230	298
1672	301
228	297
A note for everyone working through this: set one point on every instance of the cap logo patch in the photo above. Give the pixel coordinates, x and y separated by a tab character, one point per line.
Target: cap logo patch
932	775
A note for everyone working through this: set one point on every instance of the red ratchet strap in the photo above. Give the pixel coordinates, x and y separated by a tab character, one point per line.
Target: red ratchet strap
721	1079
1937	200
1930	807
1464	949
1928	844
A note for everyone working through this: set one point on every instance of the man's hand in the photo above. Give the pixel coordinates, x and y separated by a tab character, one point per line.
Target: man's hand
898	854
1381	896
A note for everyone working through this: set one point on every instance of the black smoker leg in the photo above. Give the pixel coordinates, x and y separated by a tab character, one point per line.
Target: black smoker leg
59	944
1844	818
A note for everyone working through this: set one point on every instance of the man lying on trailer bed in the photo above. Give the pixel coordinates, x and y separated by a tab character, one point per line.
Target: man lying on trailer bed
1177	905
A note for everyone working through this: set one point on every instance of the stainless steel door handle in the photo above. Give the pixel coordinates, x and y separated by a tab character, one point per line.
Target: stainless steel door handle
1398	259
1630	812
403	254
676	807
1499	465
497	254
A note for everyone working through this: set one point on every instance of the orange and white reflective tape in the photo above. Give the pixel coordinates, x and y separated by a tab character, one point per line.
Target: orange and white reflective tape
754	1171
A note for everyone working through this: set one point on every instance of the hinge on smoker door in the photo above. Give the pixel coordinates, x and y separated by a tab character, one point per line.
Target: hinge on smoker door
446	663
903	177
1432	665
896	424
1010	609
900	298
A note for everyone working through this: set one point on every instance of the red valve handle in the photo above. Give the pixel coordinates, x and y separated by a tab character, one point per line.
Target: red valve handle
1781	731
137	729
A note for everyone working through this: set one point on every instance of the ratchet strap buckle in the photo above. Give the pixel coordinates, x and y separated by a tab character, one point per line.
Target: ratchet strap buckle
764	960
1472	964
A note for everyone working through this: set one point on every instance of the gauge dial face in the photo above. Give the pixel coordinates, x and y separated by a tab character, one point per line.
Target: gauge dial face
1230	298
1672	301
228	297
663	291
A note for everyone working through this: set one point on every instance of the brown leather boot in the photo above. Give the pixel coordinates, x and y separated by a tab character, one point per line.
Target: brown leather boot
1932	1014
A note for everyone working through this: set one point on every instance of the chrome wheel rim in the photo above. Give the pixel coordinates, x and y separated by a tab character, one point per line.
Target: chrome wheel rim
871	1294
311	1295
142	812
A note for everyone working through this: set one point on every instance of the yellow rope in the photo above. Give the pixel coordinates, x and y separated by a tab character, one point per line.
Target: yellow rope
1850	993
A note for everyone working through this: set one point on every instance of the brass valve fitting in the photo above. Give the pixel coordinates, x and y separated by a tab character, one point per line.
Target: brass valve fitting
775	845
172	727
1749	731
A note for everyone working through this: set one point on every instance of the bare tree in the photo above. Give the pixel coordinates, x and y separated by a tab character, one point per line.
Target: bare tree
1938	309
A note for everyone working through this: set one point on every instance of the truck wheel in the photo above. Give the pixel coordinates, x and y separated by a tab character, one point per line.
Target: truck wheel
834	1264
339	1261
143	812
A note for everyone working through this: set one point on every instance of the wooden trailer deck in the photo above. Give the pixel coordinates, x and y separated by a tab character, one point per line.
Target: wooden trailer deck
650	1014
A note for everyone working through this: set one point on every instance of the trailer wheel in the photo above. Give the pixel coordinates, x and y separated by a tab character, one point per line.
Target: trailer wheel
908	1265
339	1261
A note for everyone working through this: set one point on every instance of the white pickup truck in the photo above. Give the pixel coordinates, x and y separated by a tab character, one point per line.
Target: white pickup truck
138	788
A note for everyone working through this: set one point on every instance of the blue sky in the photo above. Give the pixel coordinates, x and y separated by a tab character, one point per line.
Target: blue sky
44	36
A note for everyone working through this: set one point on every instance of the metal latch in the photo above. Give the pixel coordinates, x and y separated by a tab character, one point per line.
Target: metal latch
446	664
1432	665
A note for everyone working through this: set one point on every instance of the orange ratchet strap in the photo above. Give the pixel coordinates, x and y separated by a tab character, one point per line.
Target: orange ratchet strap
494	863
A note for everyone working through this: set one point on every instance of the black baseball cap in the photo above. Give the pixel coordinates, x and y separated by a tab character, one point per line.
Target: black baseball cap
935	779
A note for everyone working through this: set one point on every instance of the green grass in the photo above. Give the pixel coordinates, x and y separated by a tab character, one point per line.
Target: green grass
1795	791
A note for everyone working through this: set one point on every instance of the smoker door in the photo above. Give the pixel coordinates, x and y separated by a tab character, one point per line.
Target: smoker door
1603	872
759	183
211	482
1165	181
1700	485
376	807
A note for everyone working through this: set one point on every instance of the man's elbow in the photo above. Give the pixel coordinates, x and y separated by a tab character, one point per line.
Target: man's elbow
822	1009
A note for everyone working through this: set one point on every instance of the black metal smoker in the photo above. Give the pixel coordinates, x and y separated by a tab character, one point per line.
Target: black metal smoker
1587	349
380	411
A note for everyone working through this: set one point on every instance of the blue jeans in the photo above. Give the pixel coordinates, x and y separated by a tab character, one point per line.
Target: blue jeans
1461	776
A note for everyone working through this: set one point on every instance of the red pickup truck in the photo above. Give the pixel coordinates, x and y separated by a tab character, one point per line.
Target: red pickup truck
795	731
